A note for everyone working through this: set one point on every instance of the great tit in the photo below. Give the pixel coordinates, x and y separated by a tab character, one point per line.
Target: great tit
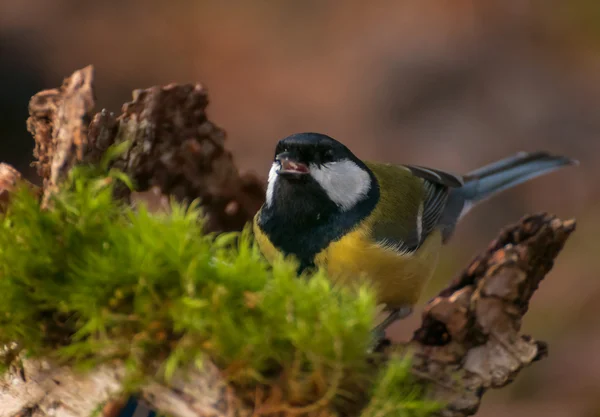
384	223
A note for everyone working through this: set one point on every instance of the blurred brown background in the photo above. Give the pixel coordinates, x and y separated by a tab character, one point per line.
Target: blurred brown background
449	84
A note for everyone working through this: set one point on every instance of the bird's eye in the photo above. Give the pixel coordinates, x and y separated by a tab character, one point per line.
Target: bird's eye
328	155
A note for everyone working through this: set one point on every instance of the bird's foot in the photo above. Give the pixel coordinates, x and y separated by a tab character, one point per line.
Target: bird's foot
379	331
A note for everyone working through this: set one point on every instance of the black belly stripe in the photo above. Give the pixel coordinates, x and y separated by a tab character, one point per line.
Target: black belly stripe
305	228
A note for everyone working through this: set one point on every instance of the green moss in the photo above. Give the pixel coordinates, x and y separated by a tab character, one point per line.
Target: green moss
396	382
91	280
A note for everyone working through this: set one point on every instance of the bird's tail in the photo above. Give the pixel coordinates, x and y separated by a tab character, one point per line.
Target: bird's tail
496	177
506	173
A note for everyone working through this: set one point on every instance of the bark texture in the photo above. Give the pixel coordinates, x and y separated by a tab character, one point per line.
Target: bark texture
41	389
174	149
58	120
469	340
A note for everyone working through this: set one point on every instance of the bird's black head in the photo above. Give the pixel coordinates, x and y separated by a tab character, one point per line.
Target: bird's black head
296	153
321	167
317	190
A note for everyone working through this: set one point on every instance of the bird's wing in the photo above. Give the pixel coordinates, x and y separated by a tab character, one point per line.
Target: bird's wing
434	204
437	185
400	225
436	176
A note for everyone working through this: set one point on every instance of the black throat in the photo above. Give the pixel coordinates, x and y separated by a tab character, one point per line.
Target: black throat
302	220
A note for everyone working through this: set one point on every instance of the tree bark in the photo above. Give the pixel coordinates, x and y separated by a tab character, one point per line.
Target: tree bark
469	340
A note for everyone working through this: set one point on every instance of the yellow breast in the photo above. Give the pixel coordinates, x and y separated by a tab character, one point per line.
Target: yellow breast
398	278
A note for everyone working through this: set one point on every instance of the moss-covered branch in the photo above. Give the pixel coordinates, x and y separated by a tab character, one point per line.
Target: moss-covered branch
100	297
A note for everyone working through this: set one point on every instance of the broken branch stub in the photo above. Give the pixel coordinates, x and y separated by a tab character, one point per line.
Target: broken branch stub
470	339
58	121
175	148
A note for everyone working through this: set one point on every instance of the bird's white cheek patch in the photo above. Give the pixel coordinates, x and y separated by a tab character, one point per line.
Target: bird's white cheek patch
271	183
344	182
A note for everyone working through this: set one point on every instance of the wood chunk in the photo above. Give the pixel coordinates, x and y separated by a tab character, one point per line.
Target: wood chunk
482	334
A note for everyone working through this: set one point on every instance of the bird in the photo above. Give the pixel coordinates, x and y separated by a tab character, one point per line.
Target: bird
383	224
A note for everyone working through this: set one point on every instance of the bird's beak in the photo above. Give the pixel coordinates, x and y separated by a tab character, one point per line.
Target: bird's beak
290	164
